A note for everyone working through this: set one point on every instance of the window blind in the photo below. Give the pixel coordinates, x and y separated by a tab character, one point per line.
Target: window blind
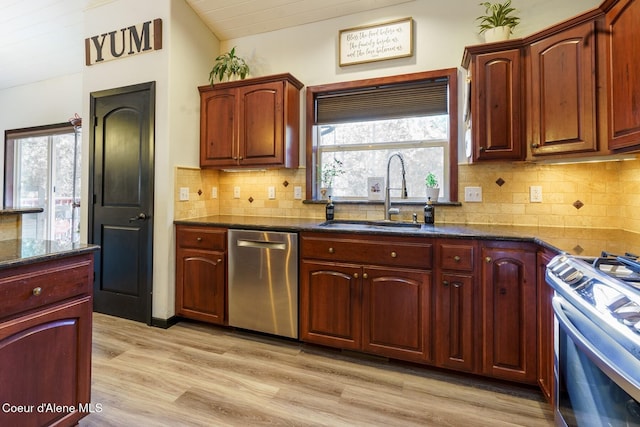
429	97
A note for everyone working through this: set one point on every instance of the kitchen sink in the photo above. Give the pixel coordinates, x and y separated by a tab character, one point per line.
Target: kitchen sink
359	225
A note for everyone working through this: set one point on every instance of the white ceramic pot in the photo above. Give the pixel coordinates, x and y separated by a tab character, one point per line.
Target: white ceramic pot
433	193
497	34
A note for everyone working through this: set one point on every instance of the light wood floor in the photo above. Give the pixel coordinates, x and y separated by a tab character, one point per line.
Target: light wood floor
199	375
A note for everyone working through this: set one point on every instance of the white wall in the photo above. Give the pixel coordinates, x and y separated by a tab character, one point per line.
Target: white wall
182	64
39	104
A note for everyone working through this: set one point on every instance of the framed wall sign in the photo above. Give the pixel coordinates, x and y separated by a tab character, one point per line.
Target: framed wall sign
388	40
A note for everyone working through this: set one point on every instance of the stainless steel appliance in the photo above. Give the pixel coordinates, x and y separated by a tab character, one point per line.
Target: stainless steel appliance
597	339
263	281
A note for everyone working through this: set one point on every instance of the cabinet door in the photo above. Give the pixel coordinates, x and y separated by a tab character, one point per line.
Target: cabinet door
45	357
396	310
330	304
509	313
496	106
261	121
562	90
200	285
623	79
218	128
455	322
546	379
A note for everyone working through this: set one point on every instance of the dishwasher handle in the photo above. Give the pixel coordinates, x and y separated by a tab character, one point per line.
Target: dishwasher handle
261	244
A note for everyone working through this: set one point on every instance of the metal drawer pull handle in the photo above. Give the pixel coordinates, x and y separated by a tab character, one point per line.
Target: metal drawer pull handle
37	291
394	255
331	250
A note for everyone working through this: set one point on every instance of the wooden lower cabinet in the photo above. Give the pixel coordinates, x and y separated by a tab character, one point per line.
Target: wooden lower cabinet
546	377
45	342
381	309
509	311
201	266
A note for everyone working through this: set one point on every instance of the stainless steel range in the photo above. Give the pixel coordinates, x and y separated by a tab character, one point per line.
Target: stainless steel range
597	339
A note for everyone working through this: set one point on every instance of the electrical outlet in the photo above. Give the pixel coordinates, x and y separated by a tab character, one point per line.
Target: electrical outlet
472	194
184	194
535	194
272	192
236	192
297	192
214	192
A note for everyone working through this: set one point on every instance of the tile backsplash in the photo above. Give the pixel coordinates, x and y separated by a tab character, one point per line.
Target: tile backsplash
600	195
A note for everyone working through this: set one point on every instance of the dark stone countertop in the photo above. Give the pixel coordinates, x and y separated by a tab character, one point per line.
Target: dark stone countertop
18	252
20	211
577	241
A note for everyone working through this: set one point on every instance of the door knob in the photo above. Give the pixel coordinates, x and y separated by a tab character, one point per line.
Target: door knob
141	217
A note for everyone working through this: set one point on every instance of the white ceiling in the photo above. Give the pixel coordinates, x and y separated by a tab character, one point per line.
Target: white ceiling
42	39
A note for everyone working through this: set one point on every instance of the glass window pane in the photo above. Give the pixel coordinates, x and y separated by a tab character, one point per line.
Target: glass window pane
32	156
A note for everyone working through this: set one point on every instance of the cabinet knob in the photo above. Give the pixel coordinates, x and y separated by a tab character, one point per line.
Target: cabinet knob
445	283
488	259
481	149
456	258
37	291
365	276
331	250
457	284
394	255
199	239
356	275
219	259
535	145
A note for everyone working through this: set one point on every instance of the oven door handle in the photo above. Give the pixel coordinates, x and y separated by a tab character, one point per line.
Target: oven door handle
613	359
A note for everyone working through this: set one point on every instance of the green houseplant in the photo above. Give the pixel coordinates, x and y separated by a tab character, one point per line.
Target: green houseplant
498	21
433	190
327	172
229	65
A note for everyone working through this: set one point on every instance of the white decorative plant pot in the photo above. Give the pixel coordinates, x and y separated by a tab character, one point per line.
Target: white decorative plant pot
497	34
433	193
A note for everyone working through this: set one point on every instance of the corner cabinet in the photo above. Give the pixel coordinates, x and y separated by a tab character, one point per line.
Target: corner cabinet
509	311
368	293
563	91
201	268
250	123
497	98
623	78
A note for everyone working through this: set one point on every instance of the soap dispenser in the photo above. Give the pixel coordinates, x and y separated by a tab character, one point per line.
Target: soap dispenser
329	210
429	212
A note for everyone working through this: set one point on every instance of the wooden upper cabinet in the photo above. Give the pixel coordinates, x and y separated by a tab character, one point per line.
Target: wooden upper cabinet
623	74
249	123
562	90
496	104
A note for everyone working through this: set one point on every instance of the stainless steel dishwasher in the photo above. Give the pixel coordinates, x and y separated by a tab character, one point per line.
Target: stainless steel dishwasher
263	281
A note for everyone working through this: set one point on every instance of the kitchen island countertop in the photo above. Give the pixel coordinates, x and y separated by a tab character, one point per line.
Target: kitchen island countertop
574	240
28	251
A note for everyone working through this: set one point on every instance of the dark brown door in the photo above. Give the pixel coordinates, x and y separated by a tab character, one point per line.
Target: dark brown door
121	217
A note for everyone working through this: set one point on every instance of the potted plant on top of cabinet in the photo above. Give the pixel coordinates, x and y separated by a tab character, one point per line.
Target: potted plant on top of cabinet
229	66
498	21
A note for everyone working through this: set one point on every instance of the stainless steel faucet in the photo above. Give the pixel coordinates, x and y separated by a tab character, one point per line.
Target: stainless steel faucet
388	211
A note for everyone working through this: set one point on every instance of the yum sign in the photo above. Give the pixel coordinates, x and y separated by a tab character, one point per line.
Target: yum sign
128	41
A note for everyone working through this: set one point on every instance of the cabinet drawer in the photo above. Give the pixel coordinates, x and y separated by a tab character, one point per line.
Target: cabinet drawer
456	257
39	285
201	238
378	250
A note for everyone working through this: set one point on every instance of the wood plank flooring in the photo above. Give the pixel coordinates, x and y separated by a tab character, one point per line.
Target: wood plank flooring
194	374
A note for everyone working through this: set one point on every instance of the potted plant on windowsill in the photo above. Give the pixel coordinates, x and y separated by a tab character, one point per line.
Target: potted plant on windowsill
229	67
327	172
433	190
498	21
